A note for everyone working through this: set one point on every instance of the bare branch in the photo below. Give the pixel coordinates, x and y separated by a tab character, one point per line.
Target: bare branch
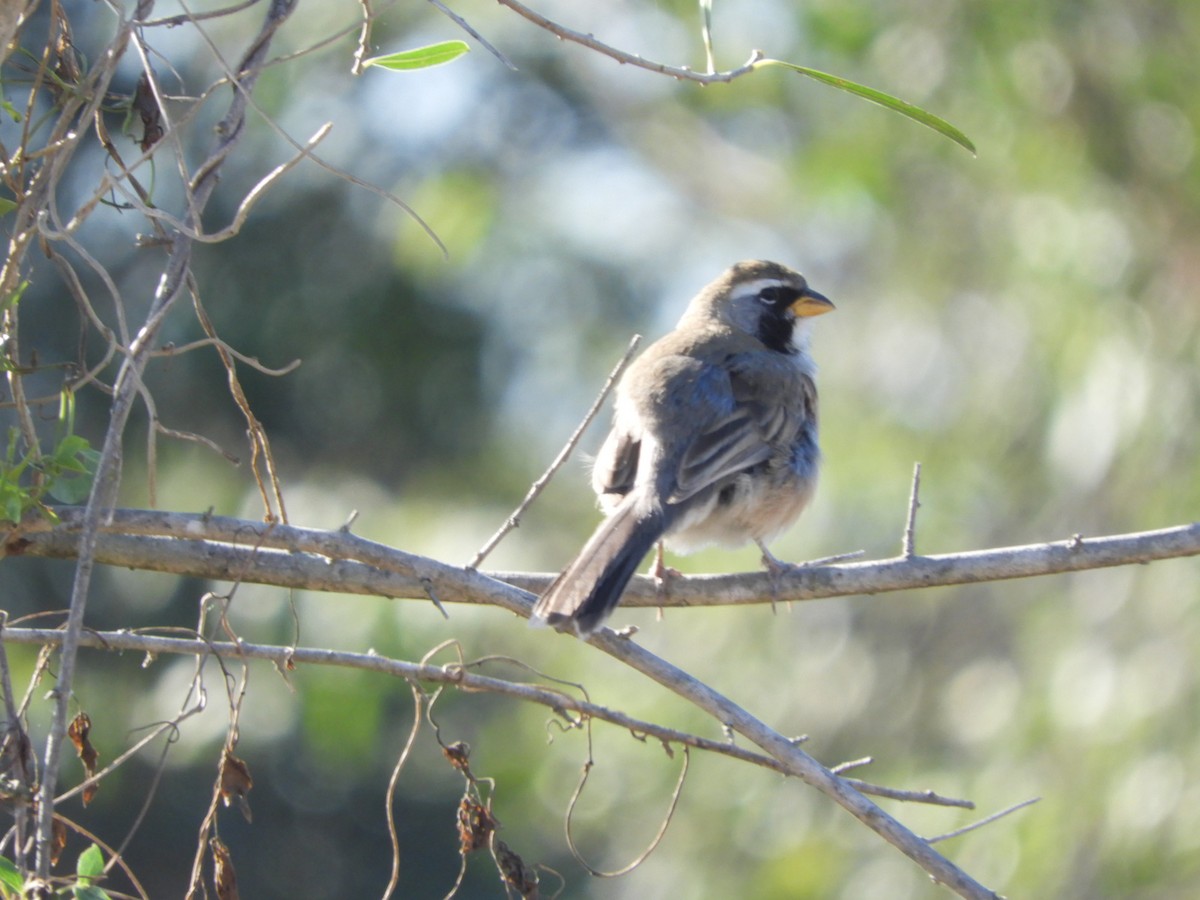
360	55
251	361
16	751
654	841
190	17
390	799
108	468
930	797
987	820
224	548
794	759
256	192
908	548
514	520
454	675
466	26
632	59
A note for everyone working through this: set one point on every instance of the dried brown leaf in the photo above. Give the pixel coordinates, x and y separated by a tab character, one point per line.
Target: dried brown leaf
58	840
236	783
224	876
475	825
78	731
146	106
458	753
516	874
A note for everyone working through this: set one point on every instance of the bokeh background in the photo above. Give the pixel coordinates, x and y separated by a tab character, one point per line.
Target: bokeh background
1024	323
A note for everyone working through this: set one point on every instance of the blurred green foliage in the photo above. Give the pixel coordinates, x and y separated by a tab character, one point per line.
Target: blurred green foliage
1024	323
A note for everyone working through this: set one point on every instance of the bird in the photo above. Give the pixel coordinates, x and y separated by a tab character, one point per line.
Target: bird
713	440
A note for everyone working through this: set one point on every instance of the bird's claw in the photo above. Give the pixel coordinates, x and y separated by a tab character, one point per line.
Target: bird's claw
662	574
776	568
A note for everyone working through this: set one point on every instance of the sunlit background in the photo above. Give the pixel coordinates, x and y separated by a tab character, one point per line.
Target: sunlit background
1023	322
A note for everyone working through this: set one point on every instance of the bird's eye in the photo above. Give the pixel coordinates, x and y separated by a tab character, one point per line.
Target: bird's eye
771	295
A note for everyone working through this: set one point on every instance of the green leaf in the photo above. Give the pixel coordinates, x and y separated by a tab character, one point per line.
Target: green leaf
12	503
90	864
13	511
70	447
6	206
71	470
421	57
9	876
74	489
924	117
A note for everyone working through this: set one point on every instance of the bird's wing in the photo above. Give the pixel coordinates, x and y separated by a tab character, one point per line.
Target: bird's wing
769	408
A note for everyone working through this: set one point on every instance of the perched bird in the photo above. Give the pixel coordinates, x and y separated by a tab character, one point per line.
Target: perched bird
714	439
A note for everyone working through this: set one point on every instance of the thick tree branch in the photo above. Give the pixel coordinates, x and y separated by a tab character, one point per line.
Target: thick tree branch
228	549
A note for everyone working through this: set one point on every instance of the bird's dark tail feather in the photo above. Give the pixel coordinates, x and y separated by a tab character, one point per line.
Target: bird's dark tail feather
589	589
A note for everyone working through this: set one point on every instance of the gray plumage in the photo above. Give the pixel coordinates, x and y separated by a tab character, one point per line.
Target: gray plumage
714	438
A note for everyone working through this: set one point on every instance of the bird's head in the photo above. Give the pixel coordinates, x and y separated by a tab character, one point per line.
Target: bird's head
763	299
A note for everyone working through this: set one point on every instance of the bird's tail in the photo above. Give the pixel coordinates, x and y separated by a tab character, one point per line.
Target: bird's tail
589	589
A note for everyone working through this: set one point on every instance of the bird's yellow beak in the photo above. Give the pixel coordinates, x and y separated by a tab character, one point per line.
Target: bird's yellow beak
811	303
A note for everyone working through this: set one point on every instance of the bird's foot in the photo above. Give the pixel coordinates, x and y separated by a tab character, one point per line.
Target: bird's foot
776	568
663	575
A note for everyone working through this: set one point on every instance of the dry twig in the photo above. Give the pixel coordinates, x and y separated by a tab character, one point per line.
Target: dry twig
514	520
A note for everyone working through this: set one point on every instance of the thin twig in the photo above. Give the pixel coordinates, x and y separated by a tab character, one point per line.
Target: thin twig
930	797
908	549
256	193
706	34
835	558
654	842
253	362
260	445
363	45
16	747
114	856
984	821
390	797
632	59
192	17
465	26
514	520
844	767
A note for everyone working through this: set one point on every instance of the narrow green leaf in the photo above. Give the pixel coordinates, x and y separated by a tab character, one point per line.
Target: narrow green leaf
421	57
924	117
6	206
10	877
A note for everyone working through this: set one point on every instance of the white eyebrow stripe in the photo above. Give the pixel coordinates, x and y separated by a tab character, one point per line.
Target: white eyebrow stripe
754	288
